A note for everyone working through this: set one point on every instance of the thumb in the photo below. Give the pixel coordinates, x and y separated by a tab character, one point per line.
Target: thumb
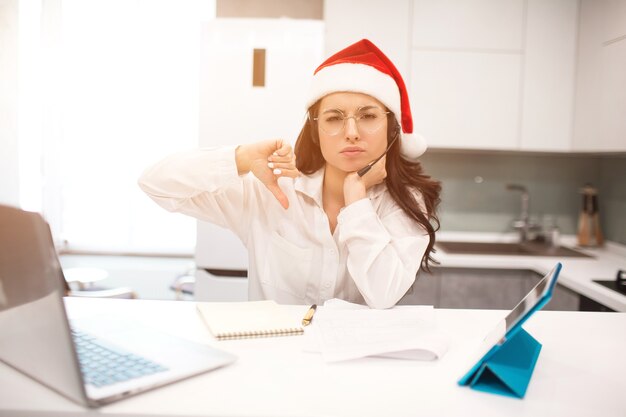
278	193
282	148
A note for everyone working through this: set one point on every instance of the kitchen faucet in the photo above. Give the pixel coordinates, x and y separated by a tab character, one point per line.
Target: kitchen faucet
523	224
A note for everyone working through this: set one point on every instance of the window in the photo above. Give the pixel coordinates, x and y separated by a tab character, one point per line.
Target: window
119	90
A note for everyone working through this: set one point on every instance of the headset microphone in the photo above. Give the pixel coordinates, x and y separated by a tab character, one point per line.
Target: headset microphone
369	166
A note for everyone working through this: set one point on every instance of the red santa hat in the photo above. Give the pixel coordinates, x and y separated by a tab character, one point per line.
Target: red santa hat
363	68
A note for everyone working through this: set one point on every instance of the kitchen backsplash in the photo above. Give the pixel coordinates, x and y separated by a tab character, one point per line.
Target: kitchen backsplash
475	198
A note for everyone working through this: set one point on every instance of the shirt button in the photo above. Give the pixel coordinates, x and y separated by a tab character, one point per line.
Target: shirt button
327	285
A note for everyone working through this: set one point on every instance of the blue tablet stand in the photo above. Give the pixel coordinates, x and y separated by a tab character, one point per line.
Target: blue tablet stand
507	367
510	367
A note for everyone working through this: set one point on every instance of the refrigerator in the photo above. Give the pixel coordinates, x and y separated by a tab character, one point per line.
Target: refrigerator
244	100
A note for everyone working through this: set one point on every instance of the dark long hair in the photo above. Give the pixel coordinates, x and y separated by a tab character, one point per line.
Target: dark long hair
403	177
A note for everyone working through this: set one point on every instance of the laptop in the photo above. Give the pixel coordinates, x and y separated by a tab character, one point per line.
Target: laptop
94	361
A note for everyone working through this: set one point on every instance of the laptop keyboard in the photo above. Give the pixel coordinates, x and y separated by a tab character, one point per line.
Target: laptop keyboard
103	364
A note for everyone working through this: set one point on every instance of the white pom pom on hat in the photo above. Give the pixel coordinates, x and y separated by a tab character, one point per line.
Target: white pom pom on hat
363	68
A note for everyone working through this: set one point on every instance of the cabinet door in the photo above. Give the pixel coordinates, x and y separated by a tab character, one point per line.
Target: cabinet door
493	25
600	110
425	289
465	72
465	99
549	75
385	23
484	289
563	299
481	288
612	124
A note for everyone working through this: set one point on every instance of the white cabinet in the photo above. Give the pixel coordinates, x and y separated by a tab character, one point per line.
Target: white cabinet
494	75
528	75
467	100
548	76
468	24
600	110
385	23
613	136
465	72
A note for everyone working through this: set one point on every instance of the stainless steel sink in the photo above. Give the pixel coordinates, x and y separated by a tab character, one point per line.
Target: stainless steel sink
520	249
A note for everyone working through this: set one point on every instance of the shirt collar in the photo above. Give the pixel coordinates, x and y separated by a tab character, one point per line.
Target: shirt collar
311	186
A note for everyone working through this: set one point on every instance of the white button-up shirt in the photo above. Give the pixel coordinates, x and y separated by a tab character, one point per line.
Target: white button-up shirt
373	256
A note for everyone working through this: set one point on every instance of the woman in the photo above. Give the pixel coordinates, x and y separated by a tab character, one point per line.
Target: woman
315	227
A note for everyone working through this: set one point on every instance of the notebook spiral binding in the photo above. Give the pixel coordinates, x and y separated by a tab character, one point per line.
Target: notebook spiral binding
266	333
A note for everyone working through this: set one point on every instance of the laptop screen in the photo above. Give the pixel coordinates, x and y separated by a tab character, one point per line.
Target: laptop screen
36	338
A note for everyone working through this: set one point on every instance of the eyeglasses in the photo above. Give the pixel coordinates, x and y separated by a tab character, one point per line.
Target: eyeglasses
368	120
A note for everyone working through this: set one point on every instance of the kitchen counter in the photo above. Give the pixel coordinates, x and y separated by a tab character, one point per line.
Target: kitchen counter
577	273
579	373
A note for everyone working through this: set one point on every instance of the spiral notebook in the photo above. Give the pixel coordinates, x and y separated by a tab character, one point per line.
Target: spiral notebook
241	320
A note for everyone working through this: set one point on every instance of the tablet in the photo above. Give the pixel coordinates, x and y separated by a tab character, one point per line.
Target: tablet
512	323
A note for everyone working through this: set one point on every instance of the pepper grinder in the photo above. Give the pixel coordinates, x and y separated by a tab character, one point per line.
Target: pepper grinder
589	232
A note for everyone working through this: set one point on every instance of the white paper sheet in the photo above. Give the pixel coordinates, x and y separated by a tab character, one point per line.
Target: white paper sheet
342	331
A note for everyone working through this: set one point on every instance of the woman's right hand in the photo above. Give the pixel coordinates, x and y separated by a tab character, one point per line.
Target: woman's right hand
268	160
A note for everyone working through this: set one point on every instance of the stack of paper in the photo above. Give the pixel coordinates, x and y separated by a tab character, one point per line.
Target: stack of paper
343	330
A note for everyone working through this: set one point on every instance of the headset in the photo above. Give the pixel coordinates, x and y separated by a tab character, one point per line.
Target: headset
369	166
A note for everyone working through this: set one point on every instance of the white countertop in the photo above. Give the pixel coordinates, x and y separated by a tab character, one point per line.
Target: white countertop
577	273
579	373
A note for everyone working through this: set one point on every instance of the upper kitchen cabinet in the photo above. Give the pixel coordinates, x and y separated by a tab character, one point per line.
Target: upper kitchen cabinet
548	76
465	72
466	100
488	74
600	105
526	75
482	25
385	23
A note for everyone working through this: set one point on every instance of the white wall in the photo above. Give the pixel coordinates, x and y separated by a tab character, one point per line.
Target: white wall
9	192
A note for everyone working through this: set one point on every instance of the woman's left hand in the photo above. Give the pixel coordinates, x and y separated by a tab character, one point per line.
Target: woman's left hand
355	187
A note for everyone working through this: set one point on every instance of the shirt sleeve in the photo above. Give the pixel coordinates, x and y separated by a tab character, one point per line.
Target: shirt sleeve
384	251
203	183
